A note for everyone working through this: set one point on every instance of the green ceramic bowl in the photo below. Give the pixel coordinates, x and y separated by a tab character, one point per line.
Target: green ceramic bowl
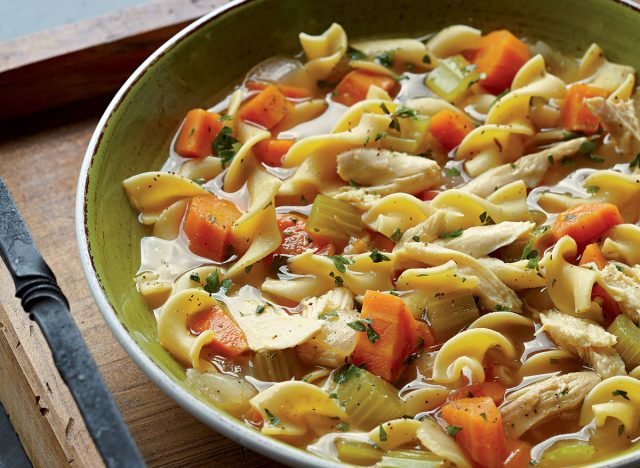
200	65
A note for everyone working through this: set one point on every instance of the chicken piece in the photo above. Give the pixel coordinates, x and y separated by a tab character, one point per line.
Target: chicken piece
620	120
384	172
336	340
530	169
623	285
592	343
491	291
516	275
427	231
361	198
479	241
545	399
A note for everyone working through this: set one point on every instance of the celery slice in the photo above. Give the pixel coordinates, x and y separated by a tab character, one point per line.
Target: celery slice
449	313
569	454
275	366
334	219
452	77
628	335
411	138
357	453
368	399
410	459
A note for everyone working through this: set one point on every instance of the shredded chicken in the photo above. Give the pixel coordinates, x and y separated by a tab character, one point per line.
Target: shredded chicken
530	169
623	285
479	241
427	231
382	172
586	339
620	120
545	399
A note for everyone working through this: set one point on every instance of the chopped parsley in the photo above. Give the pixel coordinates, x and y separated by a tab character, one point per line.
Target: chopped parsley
272	418
377	257
452	234
385	59
620	430
416	238
620	268
567	161
214	284
635	162
483	416
592	189
225	117
364	325
380	136
353	183
345	373
621	393
333	396
404	112
587	148
194	277
343	427
199	180
225	146
426	59
501	308
260	309
385	109
453	430
541	229
247	269
396	235
340	262
569	135
355	54
328	315
452	171
382	434
532	255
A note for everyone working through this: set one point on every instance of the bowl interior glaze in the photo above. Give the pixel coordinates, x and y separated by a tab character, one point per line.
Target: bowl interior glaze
200	65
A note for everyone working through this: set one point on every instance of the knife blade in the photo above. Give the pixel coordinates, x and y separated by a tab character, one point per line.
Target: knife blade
43	299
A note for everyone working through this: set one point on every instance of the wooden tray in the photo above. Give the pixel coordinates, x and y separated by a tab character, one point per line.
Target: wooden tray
79	67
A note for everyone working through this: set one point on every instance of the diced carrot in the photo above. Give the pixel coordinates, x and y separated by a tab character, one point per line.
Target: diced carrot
500	55
267	108
450	128
423	336
586	222
518	453
292	92
610	308
493	390
271	151
198	131
228	340
575	115
479	429
429	195
397	335
208	226
355	85
296	239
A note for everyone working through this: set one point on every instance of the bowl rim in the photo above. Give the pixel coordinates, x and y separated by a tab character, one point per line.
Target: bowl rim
215	418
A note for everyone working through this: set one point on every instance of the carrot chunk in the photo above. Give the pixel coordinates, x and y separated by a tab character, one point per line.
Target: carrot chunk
355	85
229	339
271	151
500	55
208	226
389	335
610	308
267	108
518	453
450	128
575	115
198	131
292	92
477	425
296	239
586	222
493	390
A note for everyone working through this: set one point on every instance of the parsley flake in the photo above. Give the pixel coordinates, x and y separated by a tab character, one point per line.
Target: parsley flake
273	420
453	430
396	235
377	257
355	54
340	262
382	434
452	234
621	393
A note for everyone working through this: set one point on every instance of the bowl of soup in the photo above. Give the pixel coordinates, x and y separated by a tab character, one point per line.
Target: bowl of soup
382	233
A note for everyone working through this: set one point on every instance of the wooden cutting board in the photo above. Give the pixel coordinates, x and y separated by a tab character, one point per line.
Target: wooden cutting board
79	67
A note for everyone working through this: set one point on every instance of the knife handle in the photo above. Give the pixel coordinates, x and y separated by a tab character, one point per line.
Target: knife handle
43	299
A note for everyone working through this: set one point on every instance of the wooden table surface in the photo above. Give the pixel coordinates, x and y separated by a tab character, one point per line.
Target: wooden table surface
40	159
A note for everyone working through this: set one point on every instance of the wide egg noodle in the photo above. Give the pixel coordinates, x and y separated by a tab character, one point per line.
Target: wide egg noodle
396	211
621	244
244	163
454	39
436	440
257	229
323	52
516	275
398	432
569	286
167	225
152	192
294	408
402	50
617	397
443	278
594	69
457	354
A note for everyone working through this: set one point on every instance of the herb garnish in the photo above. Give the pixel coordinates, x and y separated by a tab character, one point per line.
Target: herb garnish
452	234
355	54
532	255
452	171
345	373
396	235
214	284
364	325
272	418
225	146
635	162
621	393
382	434
385	59
340	262
377	257
453	430
194	277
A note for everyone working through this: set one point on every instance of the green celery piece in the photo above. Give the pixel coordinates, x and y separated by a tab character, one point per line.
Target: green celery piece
628	344
569	454
451	78
369	400
450	312
410	459
411	138
275	366
357	453
334	219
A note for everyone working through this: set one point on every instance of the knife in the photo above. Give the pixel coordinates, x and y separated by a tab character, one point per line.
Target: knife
45	303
